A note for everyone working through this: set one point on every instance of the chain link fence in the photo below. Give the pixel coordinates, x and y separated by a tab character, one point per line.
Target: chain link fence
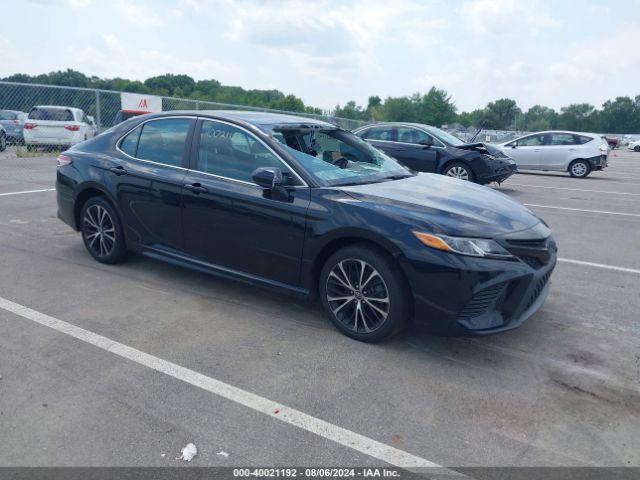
104	105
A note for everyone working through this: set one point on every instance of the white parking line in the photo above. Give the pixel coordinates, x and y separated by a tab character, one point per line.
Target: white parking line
27	191
574	189
599	265
255	402
584	210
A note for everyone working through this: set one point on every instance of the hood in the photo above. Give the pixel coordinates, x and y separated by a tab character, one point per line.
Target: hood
485	148
446	205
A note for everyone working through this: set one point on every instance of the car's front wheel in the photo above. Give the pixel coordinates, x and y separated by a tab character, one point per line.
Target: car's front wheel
364	293
636	148
3	143
459	170
579	168
102	232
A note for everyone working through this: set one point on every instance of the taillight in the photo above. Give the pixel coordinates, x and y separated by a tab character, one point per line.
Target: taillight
72	128
30	126
64	160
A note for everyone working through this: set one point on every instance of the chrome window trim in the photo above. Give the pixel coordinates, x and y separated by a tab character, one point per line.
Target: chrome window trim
195	117
442	145
119	142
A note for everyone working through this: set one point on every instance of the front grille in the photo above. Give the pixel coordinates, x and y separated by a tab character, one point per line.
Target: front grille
481	301
535	243
533	262
538	289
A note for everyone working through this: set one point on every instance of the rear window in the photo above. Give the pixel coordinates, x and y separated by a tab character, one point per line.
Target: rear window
54	114
7	115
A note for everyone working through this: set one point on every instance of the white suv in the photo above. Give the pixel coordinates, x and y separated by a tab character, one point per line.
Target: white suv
51	125
634	145
573	152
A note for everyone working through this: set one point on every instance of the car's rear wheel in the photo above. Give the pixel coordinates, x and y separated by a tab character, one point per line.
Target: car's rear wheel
102	232
579	168
459	170
3	143
364	293
636	148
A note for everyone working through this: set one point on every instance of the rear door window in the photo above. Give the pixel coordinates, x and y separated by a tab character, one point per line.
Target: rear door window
51	114
377	133
562	139
413	135
163	141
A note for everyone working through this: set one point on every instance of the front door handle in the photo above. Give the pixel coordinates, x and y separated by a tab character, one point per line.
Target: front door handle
118	170
195	188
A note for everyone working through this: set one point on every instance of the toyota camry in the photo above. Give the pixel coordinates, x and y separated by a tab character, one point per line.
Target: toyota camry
305	207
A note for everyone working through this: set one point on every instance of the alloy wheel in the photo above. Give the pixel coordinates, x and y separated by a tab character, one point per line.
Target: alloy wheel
458	172
579	169
99	231
357	295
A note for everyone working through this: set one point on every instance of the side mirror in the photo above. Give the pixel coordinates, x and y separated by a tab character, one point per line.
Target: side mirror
267	177
514	145
426	143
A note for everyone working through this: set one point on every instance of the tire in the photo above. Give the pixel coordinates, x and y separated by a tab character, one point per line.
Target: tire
362	314
102	231
579	169
459	170
636	148
3	143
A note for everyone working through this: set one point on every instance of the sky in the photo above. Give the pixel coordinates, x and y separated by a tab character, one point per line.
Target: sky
329	52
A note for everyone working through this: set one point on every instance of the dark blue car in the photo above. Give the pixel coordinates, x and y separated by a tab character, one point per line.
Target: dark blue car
302	206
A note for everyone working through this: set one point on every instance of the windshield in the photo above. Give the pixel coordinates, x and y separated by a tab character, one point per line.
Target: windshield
335	157
445	137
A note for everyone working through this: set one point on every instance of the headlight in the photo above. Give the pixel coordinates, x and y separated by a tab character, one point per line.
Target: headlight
476	247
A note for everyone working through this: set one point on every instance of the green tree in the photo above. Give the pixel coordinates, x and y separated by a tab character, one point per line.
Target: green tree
437	108
503	113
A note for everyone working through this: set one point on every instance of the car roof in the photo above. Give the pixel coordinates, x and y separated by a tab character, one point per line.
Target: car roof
410	124
264	120
61	107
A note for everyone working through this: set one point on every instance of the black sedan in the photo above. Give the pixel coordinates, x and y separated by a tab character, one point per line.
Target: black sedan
424	148
304	207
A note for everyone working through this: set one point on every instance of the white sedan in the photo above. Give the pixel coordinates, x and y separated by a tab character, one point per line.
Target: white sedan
52	125
634	145
561	151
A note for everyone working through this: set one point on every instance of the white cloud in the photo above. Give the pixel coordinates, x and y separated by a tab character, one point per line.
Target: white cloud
498	17
139	14
79	3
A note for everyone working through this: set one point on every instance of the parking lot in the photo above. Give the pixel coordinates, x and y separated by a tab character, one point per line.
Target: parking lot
255	378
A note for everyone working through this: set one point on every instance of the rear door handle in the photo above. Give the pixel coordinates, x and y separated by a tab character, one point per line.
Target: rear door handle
118	170
195	188
537	150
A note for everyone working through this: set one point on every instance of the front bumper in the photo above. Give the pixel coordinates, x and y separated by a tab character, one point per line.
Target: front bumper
498	173
461	295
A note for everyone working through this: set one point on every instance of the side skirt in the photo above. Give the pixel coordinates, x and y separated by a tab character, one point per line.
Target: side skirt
182	260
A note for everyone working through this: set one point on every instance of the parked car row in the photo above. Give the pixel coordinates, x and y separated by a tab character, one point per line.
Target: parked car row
424	148
48	126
